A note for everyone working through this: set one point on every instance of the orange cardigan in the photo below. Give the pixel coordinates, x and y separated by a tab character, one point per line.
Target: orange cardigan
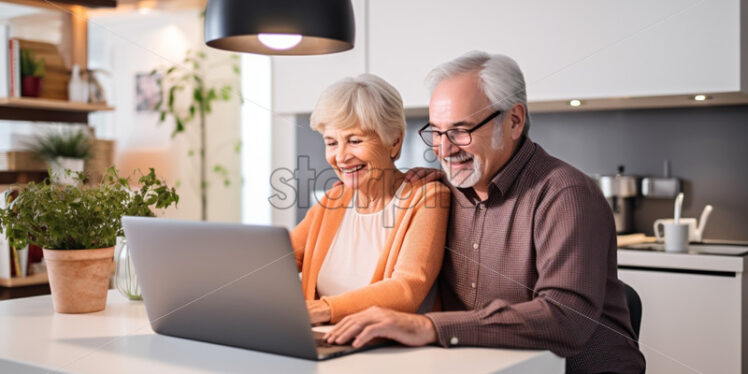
409	263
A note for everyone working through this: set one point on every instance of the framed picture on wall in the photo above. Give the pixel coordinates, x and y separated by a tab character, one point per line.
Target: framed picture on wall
147	91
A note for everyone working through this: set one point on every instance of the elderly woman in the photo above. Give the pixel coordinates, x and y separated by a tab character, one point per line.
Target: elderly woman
373	240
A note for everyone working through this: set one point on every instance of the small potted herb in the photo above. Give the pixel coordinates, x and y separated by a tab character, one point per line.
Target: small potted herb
77	228
32	72
64	150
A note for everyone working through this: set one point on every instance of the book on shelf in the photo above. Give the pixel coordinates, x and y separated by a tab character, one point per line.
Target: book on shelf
5	257
14	67
4	60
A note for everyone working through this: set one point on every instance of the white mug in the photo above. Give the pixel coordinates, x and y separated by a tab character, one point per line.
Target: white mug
676	237
693	232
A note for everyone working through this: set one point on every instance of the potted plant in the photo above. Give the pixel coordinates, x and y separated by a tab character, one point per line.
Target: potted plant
64	150
77	228
32	72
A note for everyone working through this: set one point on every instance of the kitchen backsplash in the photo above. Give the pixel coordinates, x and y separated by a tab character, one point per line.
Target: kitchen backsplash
706	147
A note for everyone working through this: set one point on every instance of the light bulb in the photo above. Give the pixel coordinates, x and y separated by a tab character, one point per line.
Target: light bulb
699	97
146	6
279	41
575	102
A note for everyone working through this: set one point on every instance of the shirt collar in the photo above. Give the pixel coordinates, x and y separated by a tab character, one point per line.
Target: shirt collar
505	178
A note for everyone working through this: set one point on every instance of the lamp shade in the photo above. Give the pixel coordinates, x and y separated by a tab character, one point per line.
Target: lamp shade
280	27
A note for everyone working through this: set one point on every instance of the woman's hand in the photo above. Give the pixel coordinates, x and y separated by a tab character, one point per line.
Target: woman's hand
415	174
319	311
427	174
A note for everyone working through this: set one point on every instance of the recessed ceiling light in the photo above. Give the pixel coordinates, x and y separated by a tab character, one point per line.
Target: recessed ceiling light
575	102
699	97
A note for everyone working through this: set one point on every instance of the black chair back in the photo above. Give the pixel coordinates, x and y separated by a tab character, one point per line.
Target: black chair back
635	308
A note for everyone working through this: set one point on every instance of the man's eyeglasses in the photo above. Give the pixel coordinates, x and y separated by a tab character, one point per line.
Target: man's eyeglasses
459	137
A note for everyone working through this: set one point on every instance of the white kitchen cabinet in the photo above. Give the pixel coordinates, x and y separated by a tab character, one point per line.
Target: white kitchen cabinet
636	53
299	80
693	310
568	49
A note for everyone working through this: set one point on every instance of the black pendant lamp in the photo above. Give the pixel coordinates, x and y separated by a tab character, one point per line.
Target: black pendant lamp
280	27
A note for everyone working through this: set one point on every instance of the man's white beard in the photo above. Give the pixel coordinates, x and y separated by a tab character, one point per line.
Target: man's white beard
464	178
468	178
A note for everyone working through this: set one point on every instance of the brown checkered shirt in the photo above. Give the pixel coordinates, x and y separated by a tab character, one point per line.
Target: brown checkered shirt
534	267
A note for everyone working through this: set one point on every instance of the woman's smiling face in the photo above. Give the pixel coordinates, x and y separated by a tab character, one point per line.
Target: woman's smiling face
357	156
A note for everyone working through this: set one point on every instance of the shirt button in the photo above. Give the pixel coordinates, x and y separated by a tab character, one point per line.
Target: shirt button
475	245
454	340
472	285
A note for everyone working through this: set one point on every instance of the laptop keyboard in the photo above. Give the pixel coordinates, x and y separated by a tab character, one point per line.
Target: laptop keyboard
322	343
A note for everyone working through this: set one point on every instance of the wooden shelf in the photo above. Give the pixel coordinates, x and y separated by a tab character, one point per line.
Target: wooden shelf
50	104
21	177
31	280
47	110
57	4
91	3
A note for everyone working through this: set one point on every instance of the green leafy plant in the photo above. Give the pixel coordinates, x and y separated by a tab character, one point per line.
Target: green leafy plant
66	143
80	217
192	77
30	66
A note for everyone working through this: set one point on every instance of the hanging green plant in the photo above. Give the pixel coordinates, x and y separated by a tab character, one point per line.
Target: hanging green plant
192	76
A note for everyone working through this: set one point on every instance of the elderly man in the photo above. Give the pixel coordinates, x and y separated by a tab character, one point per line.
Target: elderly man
530	260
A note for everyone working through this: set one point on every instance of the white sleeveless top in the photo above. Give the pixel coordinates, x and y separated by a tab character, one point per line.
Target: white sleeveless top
355	250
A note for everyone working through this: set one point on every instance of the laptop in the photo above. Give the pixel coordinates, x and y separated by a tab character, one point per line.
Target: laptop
228	284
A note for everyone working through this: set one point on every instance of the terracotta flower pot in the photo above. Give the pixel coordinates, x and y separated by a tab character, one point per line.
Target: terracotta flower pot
79	278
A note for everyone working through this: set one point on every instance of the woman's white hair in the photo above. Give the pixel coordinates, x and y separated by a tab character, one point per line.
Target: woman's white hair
500	78
366	101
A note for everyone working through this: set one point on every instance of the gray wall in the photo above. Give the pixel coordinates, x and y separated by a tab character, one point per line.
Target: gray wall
706	148
310	162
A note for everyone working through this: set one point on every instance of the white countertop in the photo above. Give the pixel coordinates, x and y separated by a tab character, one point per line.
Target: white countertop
681	261
34	339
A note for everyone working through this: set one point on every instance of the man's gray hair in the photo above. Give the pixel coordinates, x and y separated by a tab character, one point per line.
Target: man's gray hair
500	78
